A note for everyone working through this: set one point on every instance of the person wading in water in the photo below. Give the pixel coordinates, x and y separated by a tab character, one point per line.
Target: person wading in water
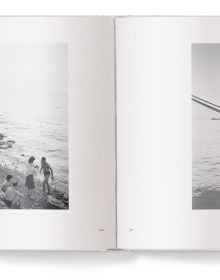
47	170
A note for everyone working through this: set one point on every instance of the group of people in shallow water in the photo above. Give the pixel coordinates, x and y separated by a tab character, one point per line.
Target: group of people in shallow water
12	197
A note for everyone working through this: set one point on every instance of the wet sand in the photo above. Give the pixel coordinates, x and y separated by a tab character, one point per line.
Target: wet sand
209	199
39	200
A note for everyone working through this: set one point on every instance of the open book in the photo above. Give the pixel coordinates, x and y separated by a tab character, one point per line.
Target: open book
109	133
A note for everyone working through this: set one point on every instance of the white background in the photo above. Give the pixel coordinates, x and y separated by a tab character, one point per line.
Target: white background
123	265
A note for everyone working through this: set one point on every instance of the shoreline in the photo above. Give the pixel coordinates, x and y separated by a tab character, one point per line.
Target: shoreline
16	160
40	200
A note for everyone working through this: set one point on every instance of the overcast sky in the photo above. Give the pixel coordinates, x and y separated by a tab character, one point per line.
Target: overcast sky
206	77
29	69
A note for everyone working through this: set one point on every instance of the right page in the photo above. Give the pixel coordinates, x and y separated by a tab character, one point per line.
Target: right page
168	132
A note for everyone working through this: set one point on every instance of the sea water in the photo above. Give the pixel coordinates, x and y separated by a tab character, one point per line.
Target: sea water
206	154
39	126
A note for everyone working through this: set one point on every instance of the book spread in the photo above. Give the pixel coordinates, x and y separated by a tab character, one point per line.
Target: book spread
109	133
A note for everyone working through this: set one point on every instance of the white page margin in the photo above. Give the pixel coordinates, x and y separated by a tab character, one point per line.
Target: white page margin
154	134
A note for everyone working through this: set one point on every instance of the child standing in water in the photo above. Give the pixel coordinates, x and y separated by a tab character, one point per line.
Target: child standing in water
30	173
47	170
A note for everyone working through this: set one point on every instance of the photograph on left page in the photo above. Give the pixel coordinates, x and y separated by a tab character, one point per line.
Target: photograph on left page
34	126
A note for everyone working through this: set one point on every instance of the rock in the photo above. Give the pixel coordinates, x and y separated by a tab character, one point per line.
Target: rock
5	145
55	202
11	141
1	136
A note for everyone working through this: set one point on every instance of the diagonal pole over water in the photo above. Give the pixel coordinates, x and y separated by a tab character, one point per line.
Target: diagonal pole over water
206	103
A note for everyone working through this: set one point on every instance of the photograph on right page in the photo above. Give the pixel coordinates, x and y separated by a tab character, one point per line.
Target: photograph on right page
205	71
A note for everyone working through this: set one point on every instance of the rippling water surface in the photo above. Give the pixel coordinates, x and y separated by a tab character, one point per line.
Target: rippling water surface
39	128
206	155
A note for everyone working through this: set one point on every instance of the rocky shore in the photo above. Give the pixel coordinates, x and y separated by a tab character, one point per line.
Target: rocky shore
57	199
5	144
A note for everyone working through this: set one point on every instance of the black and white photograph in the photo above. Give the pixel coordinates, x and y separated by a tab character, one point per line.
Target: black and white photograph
33	126
206	126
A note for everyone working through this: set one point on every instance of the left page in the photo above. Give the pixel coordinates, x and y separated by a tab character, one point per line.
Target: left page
57	133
